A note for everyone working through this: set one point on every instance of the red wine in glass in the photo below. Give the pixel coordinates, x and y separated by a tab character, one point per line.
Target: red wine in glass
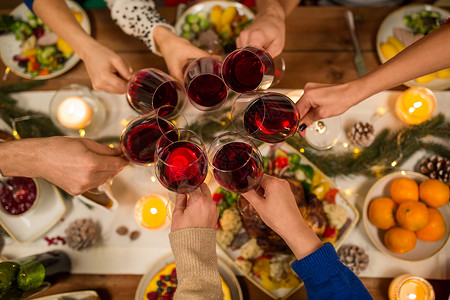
181	165
149	89
247	69
205	88
271	118
237	163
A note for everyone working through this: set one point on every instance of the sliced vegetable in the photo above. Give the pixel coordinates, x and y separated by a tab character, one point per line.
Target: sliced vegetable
330	196
21	30
46	55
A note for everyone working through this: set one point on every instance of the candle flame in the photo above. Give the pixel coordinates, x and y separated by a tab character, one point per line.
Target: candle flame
153	211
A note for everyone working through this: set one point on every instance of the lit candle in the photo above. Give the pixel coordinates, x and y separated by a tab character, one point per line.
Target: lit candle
408	287
415	105
150	212
74	113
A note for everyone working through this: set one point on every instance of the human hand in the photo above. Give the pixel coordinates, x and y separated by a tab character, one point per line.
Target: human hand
321	101
197	211
267	31
177	51
75	164
278	209
107	70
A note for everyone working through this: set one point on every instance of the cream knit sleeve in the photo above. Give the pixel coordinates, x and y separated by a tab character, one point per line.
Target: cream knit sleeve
195	255
138	18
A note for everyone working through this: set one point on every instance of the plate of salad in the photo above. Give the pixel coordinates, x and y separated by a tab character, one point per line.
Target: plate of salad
214	25
405	26
257	251
32	50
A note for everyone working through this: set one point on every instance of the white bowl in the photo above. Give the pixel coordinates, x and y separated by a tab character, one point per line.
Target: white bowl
423	250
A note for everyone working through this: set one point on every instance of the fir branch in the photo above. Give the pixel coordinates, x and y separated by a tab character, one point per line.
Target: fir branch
20	87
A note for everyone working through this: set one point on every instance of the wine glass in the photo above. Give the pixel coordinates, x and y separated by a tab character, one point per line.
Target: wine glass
267	116
324	134
181	163
204	85
138	139
237	163
149	89
247	69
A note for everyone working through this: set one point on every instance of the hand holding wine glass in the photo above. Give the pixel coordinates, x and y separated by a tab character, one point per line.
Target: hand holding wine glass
181	163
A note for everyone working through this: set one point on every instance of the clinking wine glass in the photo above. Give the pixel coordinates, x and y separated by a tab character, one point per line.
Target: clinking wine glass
267	116
324	134
149	89
247	69
181	162
204	85
139	138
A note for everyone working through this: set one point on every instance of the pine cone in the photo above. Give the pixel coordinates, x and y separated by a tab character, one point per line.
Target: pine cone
82	234
354	258
436	167
361	134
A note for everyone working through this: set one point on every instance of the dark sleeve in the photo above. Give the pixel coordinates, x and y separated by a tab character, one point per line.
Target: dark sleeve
29	4
325	277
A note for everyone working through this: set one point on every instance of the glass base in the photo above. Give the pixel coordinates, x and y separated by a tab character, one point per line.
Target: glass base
324	134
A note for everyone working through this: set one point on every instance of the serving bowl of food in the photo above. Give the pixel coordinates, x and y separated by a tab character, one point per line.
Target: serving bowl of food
405	26
214	25
406	215
257	251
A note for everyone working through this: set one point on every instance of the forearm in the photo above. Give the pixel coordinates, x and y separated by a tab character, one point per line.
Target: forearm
58	17
271	8
195	255
300	239
428	55
18	157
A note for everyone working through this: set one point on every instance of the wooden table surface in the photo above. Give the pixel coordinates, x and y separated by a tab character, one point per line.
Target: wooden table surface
318	48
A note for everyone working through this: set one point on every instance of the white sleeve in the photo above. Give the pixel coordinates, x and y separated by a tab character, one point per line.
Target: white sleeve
138	18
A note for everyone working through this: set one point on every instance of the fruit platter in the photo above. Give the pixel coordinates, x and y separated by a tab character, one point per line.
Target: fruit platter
406	215
257	251
214	25
405	26
32	50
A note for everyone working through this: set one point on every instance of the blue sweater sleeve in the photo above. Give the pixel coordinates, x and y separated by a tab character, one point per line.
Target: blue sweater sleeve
29	4
325	277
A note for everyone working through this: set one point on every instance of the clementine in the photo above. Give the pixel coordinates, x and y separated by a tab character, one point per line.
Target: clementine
400	240
403	189
434	193
435	228
412	215
382	212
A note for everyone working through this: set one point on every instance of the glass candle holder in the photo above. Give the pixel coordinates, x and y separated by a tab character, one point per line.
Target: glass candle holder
415	105
150	212
407	287
77	111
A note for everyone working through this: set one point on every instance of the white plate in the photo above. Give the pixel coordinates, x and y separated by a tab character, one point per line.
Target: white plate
394	20
71	295
352	213
227	275
47	212
206	6
423	250
10	47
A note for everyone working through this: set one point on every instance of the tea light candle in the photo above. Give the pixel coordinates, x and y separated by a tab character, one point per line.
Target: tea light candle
150	212
74	113
409	287
415	105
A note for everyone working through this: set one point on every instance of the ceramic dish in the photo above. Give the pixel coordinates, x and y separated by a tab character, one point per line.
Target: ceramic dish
10	47
350	222
423	250
44	215
394	20
79	295
225	272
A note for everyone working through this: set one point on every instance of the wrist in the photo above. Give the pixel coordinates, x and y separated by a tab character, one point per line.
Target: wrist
90	45
163	37
271	9
302	240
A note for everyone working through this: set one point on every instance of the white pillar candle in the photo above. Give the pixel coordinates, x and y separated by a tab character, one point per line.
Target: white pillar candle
74	113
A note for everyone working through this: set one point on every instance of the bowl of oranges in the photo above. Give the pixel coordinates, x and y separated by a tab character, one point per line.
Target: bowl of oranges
407	215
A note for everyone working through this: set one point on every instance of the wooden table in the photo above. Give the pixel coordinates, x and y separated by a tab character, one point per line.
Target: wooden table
318	48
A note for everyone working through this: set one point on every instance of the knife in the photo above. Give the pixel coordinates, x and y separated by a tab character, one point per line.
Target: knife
359	62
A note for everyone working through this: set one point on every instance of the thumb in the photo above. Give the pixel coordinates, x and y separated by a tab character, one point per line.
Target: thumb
252	197
180	204
122	68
